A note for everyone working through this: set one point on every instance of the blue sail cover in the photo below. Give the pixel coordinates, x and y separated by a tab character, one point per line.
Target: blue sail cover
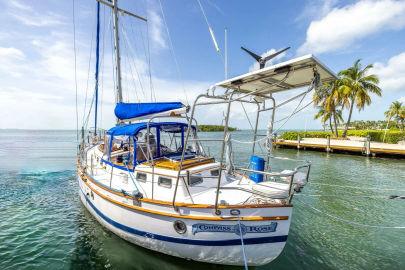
125	111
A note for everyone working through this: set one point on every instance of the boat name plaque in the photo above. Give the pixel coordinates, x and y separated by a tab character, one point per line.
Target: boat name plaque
203	227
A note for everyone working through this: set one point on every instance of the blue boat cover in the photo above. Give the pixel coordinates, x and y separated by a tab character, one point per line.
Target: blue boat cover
133	129
133	110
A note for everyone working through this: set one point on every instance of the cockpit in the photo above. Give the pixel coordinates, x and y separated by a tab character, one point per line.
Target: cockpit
132	144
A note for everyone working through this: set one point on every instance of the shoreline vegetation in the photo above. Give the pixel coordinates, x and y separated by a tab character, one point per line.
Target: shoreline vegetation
214	128
353	89
391	136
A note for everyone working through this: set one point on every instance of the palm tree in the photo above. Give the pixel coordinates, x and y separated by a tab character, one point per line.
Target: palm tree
324	116
327	99
402	116
356	87
396	111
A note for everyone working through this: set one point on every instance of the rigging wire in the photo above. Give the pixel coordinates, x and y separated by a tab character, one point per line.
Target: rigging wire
282	119
149	63
75	64
132	52
348	221
112	56
172	51
251	126
88	73
211	31
130	69
102	66
294	111
136	51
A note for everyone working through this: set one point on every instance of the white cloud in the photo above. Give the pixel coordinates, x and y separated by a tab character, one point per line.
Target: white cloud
38	20
156	29
316	9
26	15
392	73
18	5
341	27
10	53
402	99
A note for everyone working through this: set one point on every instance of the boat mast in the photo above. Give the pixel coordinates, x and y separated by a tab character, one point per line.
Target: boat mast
97	68
117	51
114	5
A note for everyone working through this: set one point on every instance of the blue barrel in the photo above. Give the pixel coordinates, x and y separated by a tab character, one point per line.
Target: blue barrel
257	164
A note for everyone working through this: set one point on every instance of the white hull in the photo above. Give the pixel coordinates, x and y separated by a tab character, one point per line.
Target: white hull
156	232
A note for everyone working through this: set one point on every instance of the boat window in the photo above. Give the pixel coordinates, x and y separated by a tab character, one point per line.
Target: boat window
165	182
195	179
215	172
121	152
141	177
144	143
170	140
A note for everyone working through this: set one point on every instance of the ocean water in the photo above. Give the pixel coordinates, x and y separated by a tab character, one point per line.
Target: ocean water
44	226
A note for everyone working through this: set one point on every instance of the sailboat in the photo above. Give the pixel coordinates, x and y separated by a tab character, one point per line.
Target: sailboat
149	180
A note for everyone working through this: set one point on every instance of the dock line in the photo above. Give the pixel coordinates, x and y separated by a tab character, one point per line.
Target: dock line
351	222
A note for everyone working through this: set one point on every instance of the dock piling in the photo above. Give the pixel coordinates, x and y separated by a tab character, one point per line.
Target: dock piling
299	142
368	144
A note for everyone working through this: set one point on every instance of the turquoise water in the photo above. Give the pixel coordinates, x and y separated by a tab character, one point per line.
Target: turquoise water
44	226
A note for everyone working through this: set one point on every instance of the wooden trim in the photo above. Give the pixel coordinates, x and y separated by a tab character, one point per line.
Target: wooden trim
209	218
187	205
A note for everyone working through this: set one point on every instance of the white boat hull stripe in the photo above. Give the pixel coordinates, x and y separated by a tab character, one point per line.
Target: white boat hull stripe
229	242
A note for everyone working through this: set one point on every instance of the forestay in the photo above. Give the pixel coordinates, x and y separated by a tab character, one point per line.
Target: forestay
291	74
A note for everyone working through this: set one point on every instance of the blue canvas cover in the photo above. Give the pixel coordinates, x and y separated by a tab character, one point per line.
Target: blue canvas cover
133	129
125	111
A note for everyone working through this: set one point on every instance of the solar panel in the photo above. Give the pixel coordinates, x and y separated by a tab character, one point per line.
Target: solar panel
291	74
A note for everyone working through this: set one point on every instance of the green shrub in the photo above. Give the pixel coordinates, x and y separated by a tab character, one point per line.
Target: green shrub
213	128
392	136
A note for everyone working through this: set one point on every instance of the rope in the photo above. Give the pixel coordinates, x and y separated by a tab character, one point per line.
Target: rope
368	188
243	245
75	63
250	142
172	52
350	222
343	196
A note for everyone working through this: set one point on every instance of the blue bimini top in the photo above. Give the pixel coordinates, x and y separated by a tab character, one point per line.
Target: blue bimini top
133	129
124	111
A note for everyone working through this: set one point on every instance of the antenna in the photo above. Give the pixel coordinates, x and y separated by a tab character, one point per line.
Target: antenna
226	54
262	60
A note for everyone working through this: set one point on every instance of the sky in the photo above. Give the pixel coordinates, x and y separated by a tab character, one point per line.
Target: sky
173	58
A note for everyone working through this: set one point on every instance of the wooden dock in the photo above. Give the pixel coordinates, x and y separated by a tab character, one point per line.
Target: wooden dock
366	148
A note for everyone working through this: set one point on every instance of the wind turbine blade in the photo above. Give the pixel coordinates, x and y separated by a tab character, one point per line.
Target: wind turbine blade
255	56
271	56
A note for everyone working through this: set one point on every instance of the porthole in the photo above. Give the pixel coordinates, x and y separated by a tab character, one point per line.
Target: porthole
141	177
215	172
165	182
180	227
